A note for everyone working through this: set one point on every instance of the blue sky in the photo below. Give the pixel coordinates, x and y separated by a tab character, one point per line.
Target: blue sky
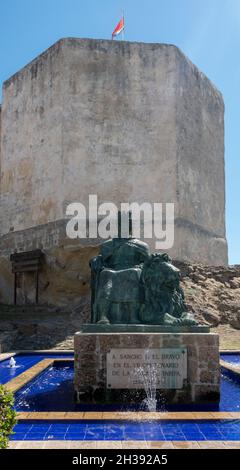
208	31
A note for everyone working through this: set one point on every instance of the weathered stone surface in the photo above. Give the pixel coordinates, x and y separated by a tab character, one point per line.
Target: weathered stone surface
203	373
6	340
235	320
63	280
42	327
62	116
216	301
206	393
58	325
211	317
63	322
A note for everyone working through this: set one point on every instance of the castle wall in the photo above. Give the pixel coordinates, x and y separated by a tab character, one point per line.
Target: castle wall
200	166
126	121
31	178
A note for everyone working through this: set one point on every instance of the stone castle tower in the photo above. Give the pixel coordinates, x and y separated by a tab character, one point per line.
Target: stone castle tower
126	121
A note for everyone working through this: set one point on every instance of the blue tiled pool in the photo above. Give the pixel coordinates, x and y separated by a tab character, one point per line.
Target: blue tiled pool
232	358
24	362
52	390
228	430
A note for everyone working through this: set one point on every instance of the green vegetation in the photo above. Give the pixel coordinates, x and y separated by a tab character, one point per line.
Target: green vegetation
7	416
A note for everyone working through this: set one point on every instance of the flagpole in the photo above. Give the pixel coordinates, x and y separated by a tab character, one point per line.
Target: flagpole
123	25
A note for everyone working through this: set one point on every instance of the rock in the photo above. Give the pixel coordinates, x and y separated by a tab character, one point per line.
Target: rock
7	341
235	321
6	326
212	317
234	284
27	329
48	326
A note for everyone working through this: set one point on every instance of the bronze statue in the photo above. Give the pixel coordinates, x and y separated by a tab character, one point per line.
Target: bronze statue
132	286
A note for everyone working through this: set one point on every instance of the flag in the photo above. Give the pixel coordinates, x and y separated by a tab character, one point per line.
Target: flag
119	28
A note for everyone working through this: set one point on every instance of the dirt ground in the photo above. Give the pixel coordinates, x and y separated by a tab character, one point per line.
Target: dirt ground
229	338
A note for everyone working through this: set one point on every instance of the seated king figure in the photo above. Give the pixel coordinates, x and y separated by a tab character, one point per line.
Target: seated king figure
116	279
130	286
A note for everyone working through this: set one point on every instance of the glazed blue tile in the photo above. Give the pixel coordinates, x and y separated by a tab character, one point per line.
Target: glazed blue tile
128	430
213	436
95	430
94	436
171	430
200	430
153	431
36	431
24	362
58	428
232	437
79	433
76	427
75	437
195	436
228	434
189	427
60	425
57	393
208	432
169	425
23	425
232	358
34	437
17	437
133	433
173	433
114	427
156	426
21	430
171	437
37	396
135	437
55	436
149	436
228	427
134	426
208	425
110	430
114	437
98	425
79	430
152	426
40	428
176	434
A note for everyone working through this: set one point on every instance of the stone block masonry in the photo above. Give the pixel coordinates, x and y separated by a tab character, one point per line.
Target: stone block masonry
203	373
126	121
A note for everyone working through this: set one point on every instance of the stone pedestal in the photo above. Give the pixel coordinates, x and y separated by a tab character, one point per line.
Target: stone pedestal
187	363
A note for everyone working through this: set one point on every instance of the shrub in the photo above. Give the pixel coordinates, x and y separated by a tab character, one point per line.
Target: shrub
7	416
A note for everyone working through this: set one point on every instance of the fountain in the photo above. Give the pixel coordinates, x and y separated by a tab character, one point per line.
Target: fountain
139	321
12	363
148	376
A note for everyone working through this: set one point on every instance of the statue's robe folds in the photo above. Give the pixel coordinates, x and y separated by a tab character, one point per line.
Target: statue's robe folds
117	278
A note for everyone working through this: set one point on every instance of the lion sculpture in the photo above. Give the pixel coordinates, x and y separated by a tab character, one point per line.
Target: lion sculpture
146	293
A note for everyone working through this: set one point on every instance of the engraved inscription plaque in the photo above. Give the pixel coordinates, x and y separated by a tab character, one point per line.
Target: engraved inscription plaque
140	368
